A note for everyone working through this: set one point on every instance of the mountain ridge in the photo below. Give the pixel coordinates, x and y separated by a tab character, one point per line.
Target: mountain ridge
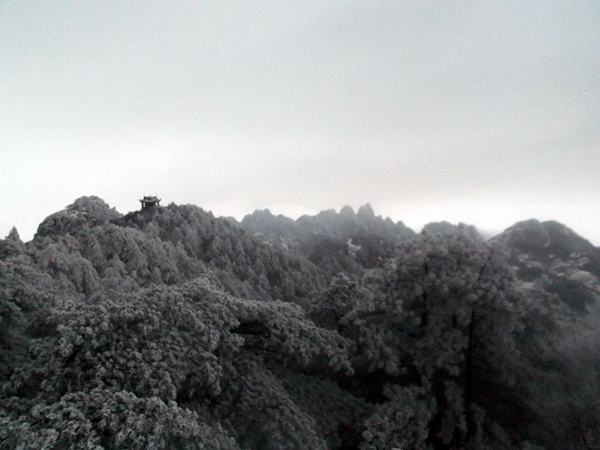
545	254
341	330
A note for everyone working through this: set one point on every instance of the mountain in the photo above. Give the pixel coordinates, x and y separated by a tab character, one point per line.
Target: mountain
172	328
347	241
448	228
176	243
553	257
83	213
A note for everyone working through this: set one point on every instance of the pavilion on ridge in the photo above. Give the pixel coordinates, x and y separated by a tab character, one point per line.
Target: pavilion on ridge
149	202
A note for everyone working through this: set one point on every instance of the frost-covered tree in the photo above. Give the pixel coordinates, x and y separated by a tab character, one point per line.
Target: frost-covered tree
569	391
12	245
176	350
340	297
26	294
445	317
177	329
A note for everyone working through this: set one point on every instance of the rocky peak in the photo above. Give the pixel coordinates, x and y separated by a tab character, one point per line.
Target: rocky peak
526	235
347	211
366	211
552	256
545	240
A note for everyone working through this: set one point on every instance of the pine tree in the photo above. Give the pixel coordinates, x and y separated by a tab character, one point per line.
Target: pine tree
444	318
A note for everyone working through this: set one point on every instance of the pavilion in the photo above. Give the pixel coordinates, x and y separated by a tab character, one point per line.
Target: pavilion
149	202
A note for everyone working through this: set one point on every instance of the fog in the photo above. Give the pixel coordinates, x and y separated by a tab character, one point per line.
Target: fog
484	113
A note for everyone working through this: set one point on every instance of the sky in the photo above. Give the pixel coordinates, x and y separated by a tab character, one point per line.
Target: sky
481	112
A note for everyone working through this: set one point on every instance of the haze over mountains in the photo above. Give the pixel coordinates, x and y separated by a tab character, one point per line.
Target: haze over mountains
547	253
173	328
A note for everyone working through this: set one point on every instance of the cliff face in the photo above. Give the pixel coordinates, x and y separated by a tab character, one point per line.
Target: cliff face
553	257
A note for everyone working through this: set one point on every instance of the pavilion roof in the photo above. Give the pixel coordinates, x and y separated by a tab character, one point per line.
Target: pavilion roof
150	199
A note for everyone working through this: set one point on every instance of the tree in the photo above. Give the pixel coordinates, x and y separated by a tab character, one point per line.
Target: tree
569	390
333	303
444	318
170	351
12	245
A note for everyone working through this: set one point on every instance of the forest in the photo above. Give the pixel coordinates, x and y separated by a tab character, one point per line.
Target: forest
171	328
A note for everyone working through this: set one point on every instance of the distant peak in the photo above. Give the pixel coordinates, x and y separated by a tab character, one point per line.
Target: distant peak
533	235
258	215
264	212
347	211
527	234
366	210
325	213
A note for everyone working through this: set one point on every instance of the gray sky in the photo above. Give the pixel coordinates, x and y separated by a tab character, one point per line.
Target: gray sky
483	112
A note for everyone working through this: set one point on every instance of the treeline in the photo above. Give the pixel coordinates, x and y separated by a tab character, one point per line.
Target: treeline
171	328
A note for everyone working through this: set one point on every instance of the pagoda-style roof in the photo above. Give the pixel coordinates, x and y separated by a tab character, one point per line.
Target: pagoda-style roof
150	199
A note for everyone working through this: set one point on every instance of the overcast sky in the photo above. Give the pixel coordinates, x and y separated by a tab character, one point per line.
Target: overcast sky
483	112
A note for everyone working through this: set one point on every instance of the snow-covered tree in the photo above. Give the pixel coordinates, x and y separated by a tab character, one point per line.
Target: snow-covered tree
445	317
